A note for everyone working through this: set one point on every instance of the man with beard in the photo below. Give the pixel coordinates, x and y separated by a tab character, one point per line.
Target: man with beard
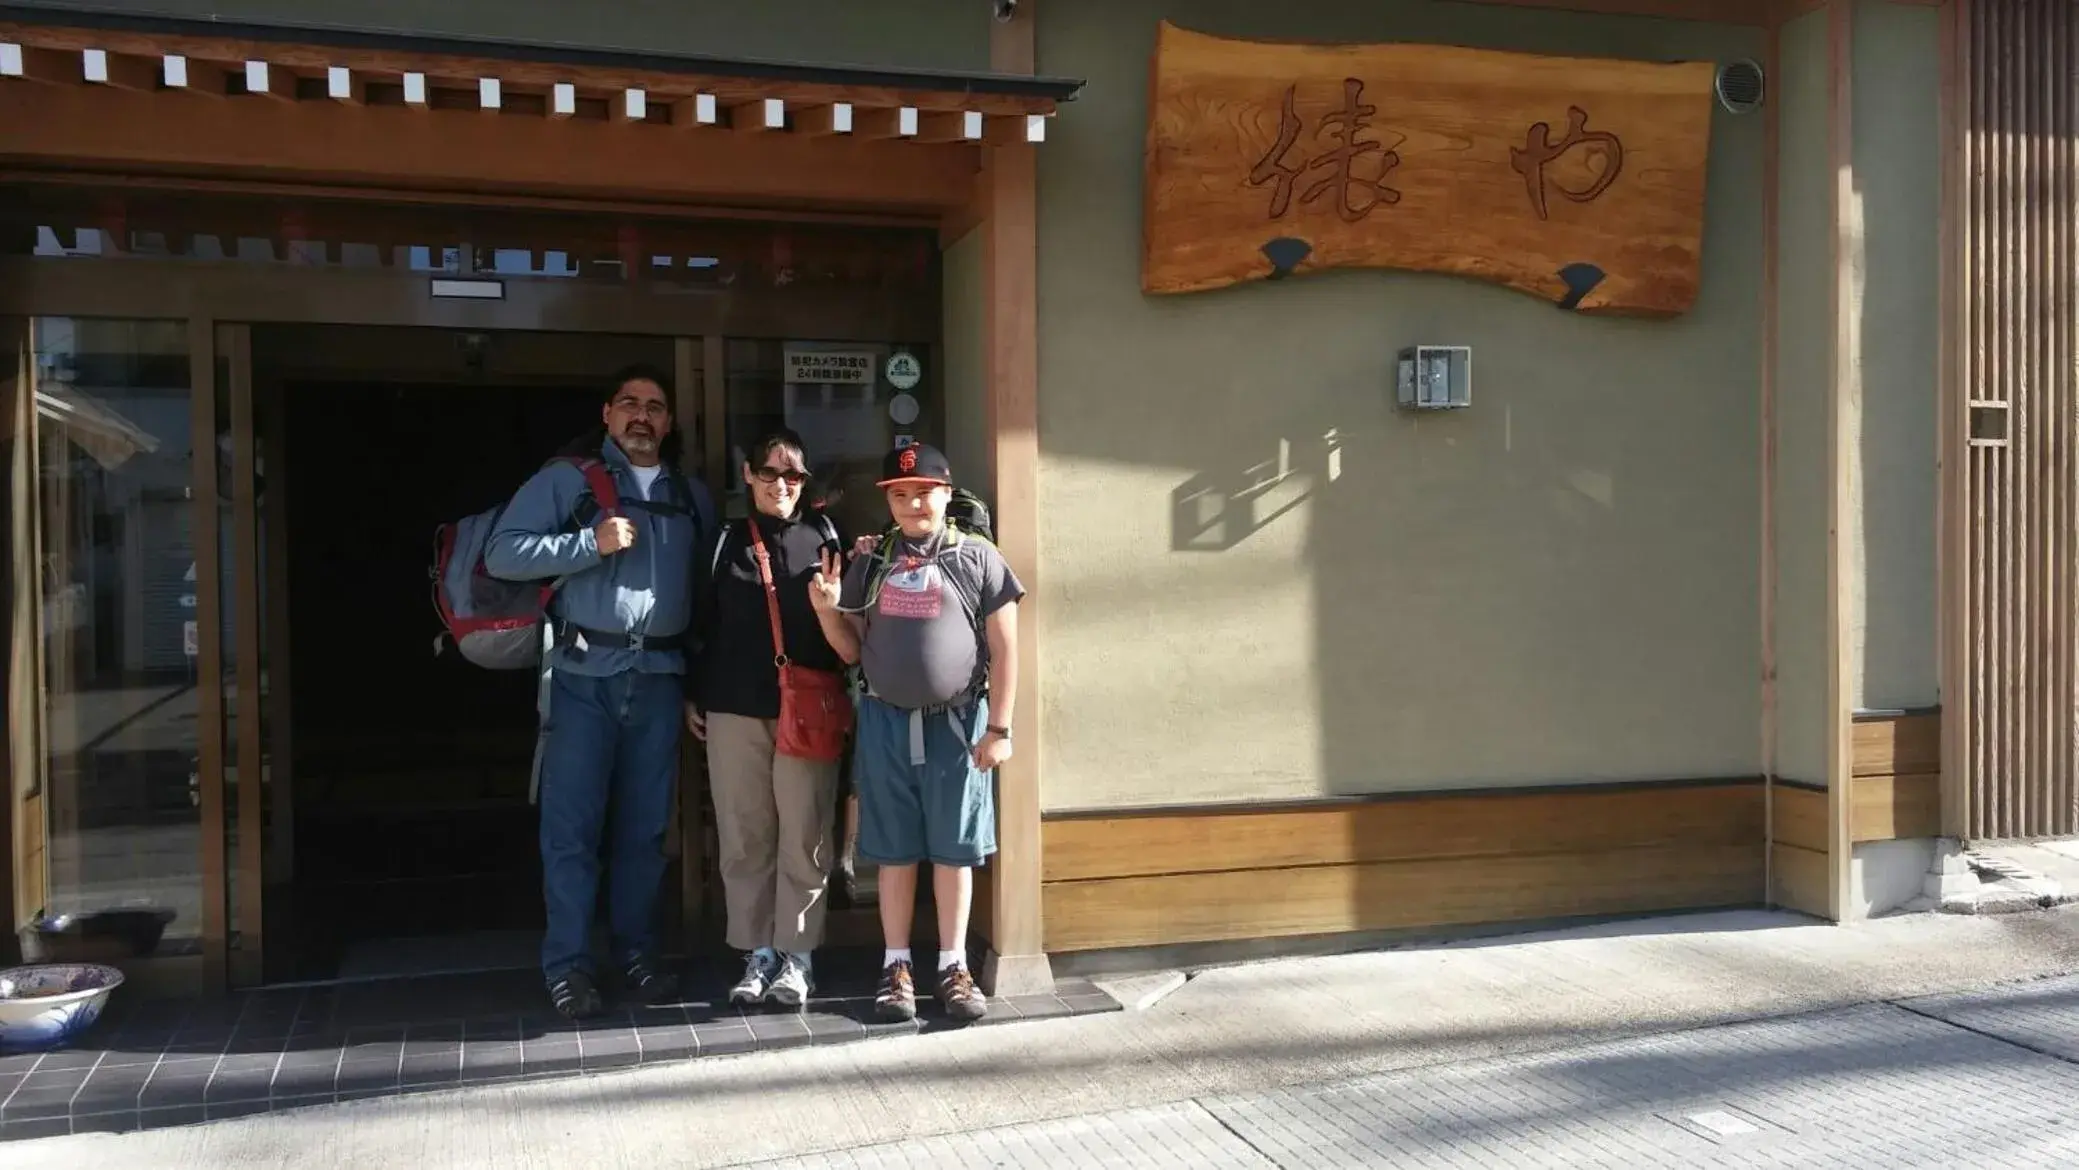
611	726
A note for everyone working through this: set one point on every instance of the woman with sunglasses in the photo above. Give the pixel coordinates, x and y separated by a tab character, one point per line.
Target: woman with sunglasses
773	811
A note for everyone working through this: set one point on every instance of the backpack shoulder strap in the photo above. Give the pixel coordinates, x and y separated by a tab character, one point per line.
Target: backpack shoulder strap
599	481
714	565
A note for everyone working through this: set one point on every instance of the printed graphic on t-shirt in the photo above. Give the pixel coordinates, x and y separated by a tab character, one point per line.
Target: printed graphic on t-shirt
913	592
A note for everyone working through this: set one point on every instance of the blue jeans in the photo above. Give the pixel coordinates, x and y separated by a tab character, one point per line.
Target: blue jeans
613	746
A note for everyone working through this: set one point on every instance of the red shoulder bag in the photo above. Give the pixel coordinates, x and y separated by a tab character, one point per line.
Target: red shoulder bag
815	710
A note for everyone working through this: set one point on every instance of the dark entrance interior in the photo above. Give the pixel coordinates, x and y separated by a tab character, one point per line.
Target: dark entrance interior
414	840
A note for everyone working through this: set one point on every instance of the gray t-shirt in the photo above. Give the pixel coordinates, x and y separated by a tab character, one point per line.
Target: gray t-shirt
924	642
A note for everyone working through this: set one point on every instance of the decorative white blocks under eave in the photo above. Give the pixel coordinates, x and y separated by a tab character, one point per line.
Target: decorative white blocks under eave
906	121
704	110
563	100
489	95
635	105
841	117
1035	127
415	90
94	66
339	83
971	125
773	113
256	77
11	62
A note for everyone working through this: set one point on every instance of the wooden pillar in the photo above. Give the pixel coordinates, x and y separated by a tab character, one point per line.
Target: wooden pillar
1008	199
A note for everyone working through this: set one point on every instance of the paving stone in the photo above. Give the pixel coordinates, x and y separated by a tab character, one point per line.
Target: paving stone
1870	1086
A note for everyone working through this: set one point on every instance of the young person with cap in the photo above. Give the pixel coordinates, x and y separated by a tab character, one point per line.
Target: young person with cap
931	617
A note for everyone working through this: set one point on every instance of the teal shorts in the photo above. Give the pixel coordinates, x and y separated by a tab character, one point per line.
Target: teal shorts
921	798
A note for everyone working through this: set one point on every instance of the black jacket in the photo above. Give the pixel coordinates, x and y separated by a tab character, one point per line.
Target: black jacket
735	674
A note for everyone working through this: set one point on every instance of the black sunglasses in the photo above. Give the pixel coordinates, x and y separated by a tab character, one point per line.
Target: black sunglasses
775	474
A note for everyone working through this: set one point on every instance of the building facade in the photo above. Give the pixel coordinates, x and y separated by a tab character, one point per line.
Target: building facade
1743	593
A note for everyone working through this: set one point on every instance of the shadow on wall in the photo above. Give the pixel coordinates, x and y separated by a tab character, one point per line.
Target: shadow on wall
1519	591
1215	511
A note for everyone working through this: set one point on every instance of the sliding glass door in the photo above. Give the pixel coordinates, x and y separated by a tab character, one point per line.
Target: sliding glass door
106	620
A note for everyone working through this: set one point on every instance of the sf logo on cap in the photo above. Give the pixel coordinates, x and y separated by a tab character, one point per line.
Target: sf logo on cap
907	461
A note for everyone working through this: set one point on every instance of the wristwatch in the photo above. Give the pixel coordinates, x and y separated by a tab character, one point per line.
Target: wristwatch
993	729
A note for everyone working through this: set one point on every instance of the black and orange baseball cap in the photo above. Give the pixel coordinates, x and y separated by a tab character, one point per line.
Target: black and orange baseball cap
916	463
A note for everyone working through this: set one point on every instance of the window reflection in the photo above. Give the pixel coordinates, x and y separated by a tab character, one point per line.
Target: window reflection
109	520
837	397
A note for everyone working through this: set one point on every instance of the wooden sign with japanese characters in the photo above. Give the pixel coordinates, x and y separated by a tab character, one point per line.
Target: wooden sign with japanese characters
1577	180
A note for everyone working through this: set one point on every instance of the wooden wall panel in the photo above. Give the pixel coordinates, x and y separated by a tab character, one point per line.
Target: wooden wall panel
1798	879
1897	787
1892	746
1329	899
2012	401
1152	879
1887	808
1798	817
1482	825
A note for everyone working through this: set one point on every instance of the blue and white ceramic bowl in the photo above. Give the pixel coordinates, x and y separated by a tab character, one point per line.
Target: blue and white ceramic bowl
44	1007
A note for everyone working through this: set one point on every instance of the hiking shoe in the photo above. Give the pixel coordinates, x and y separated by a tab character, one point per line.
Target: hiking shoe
574	996
759	970
790	988
896	1000
645	984
957	990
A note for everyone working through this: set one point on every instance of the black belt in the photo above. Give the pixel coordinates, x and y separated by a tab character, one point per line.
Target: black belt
616	640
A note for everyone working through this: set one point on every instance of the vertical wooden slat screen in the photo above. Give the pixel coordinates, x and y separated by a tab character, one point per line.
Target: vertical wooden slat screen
2016	419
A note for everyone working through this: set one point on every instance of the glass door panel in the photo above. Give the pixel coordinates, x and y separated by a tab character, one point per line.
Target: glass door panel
104	584
837	396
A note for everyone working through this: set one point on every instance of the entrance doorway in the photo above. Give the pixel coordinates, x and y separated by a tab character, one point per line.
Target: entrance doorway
409	840
233	425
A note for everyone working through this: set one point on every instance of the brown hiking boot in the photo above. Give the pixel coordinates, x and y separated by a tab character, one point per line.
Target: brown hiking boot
957	990
896	1000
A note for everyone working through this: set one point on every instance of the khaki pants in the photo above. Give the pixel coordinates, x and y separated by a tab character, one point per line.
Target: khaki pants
774	818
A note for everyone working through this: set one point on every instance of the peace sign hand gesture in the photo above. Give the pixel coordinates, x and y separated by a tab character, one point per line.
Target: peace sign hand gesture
828	583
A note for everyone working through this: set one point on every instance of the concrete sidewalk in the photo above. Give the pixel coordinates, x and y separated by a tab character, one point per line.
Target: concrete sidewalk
1229	1032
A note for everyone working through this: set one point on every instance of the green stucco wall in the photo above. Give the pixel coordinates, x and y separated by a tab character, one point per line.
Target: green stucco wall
1560	584
1896	109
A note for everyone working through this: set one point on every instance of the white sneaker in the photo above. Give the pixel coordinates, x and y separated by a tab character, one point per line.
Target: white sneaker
759	970
790	988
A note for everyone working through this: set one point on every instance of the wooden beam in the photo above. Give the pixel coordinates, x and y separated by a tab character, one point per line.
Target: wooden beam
1771	221
524	76
896	122
1952	500
950	126
1030	130
30	63
821	121
203	508
1017	963
1844	394
760	116
345	86
189	75
97	128
101	67
234	342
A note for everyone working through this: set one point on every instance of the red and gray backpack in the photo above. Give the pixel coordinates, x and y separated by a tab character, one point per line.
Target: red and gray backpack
497	624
